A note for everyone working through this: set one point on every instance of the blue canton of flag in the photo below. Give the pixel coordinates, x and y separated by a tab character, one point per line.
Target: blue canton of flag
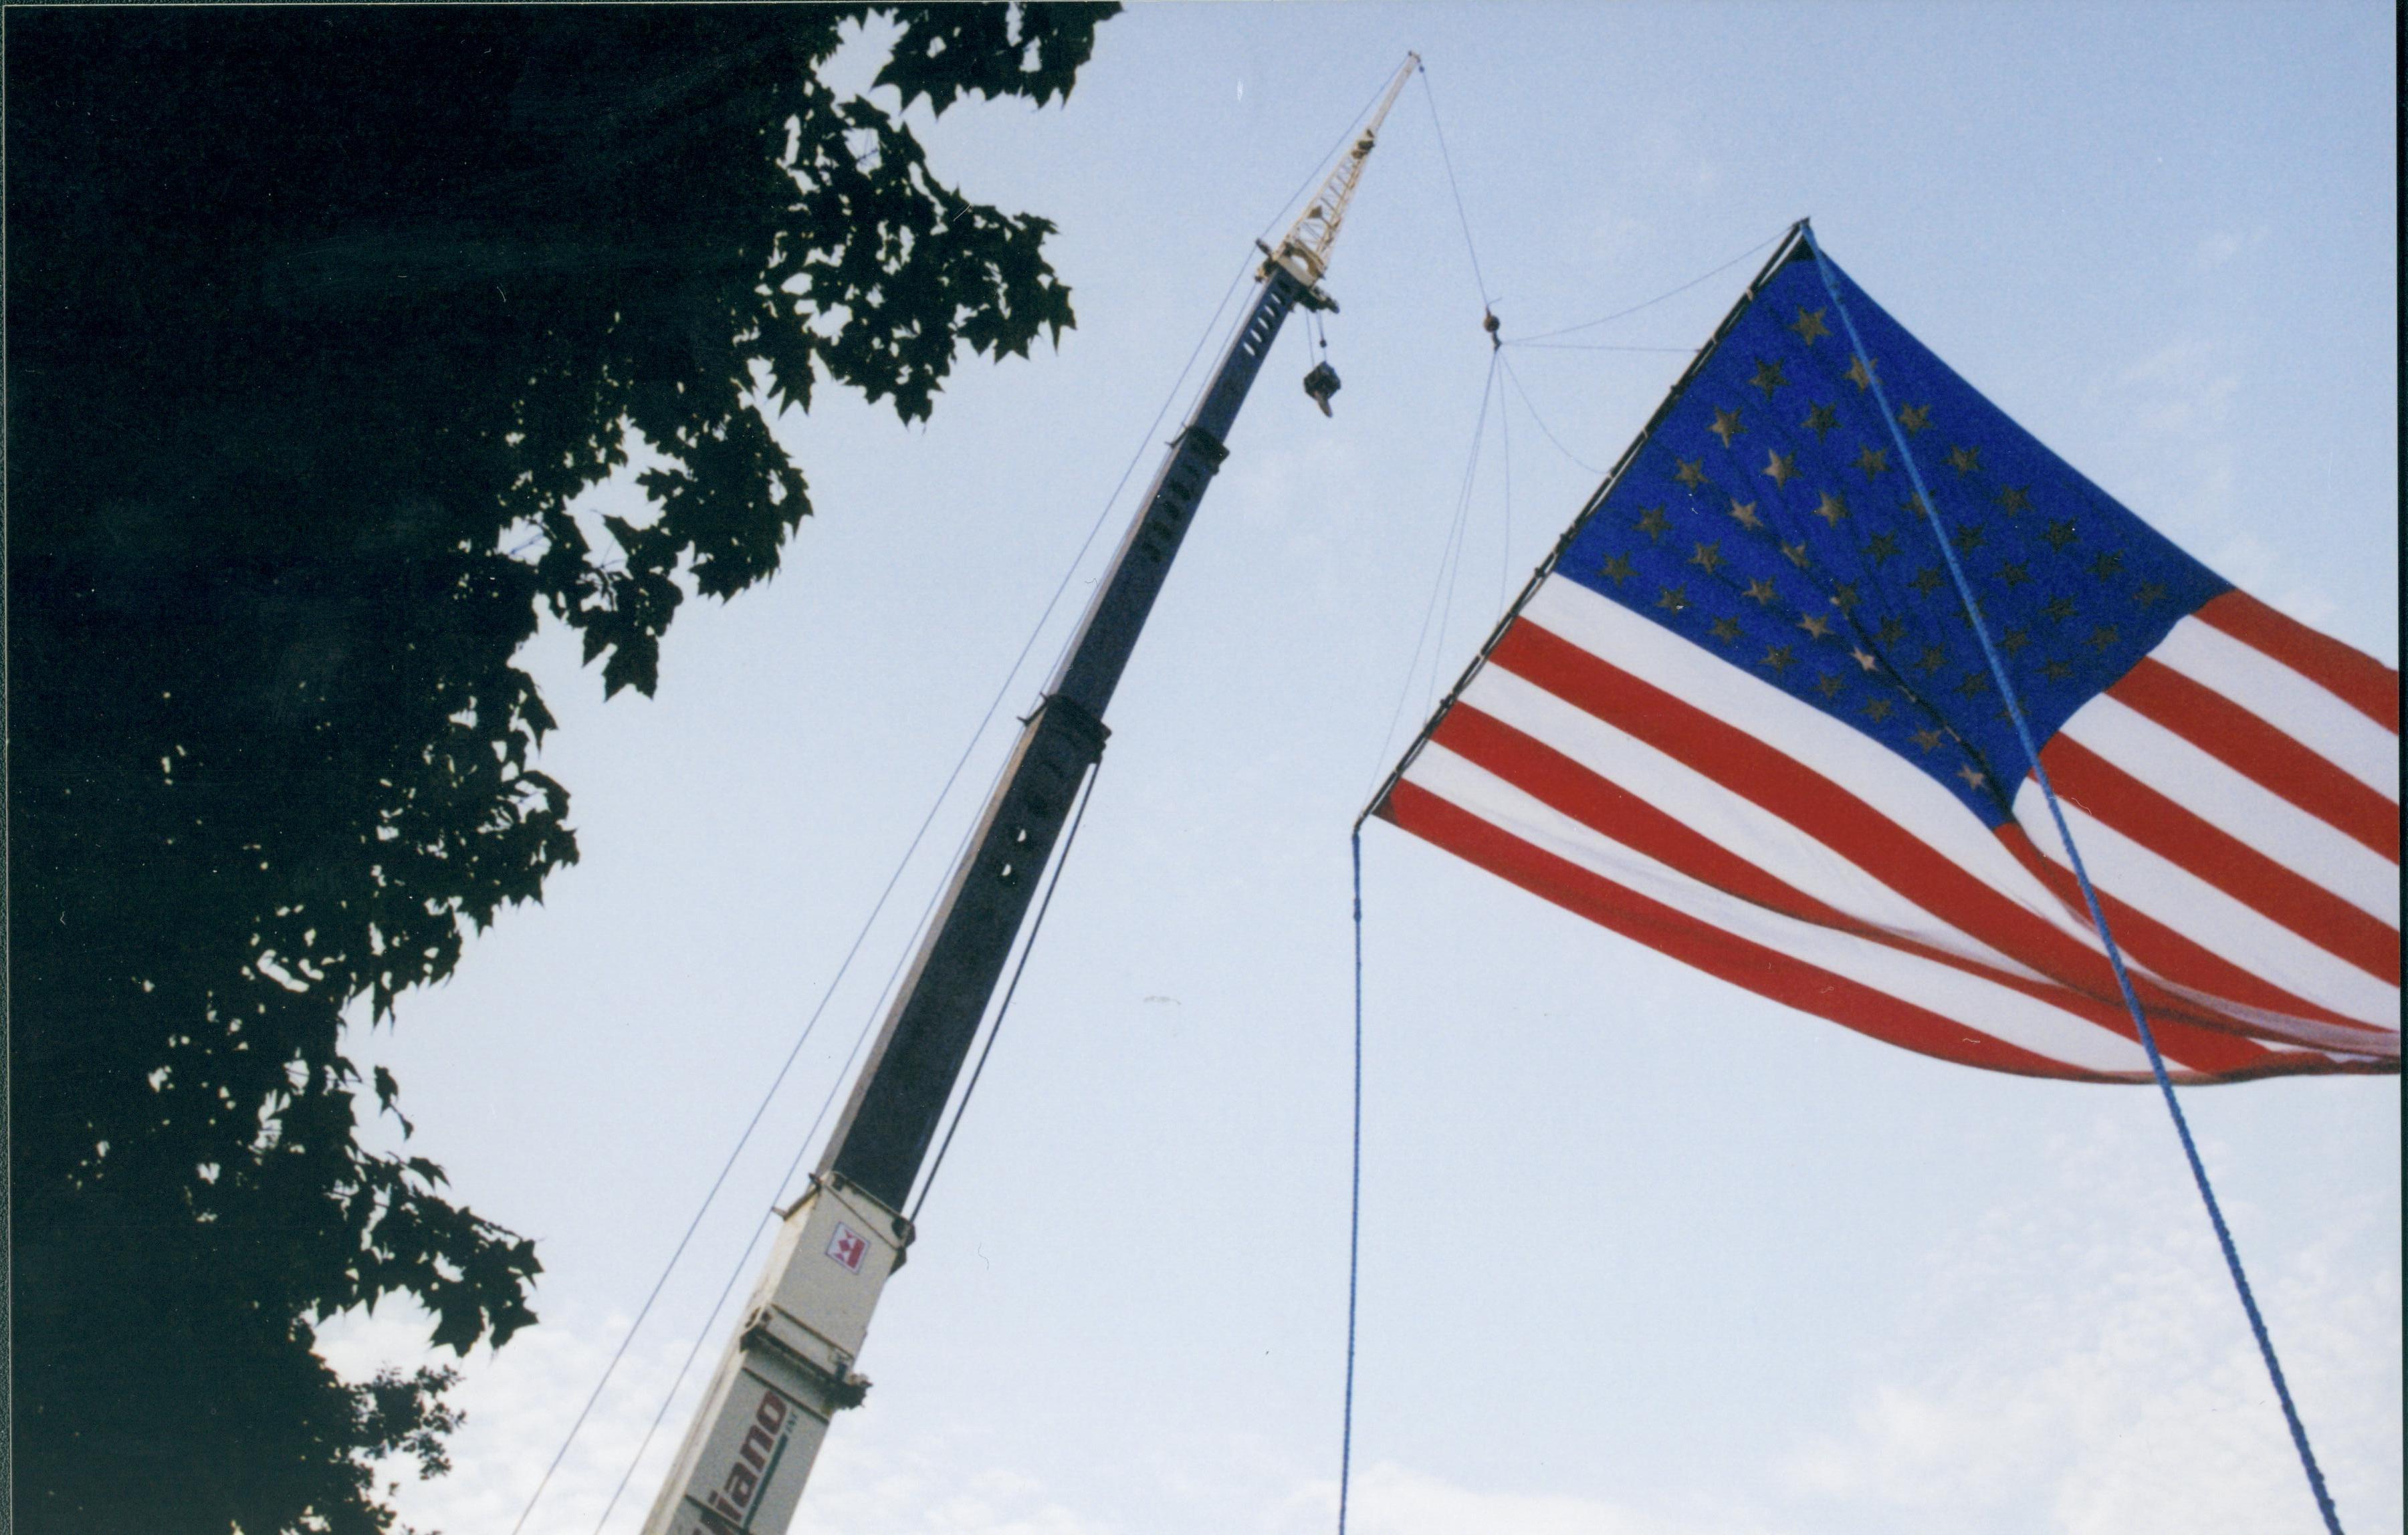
1769	517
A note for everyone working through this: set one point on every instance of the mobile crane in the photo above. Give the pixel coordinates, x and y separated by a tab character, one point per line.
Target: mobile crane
788	1371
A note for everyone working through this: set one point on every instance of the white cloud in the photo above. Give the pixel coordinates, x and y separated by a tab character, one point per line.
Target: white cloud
1614	236
2184	389
2224	244
2116	1387
929	1492
1391	1499
519	1402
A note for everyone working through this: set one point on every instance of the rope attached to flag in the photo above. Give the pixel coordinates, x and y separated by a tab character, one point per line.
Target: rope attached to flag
2091	898
1354	1201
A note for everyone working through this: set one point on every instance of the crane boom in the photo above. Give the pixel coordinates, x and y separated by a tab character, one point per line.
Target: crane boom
789	1369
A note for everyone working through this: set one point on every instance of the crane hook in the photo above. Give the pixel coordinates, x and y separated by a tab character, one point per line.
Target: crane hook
1321	384
1488	323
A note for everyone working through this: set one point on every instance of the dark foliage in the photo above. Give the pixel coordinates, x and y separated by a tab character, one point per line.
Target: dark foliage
317	320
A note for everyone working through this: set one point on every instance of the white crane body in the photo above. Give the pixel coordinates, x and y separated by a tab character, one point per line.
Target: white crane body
789	1371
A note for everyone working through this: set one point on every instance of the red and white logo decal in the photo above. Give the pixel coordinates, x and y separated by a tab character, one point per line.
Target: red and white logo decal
848	1247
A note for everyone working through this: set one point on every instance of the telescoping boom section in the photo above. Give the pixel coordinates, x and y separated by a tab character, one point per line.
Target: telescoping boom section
789	1369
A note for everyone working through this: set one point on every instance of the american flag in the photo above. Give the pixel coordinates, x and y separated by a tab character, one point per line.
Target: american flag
1741	716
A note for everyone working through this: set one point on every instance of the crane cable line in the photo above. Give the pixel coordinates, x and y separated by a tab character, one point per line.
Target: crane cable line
777	1199
654	1426
1505	468
1441	606
1504	346
744	1138
1447	560
1447	565
1462	218
1585	346
1649	304
1462	527
712	1194
1354	1195
1541	422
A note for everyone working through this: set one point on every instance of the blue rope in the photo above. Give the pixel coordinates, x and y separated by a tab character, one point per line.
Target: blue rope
1354	1204
2091	898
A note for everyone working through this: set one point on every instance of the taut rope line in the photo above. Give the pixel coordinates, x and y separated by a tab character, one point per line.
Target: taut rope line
2091	898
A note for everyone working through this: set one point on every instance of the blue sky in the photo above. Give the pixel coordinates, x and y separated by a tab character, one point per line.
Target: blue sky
1641	1254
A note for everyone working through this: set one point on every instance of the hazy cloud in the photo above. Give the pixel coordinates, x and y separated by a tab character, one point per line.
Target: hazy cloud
2116	1386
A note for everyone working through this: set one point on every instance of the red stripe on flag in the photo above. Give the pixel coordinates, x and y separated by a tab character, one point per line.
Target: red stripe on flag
2272	890
1607	808
2349	674
1782	784
1764	972
2267	756
2148	942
